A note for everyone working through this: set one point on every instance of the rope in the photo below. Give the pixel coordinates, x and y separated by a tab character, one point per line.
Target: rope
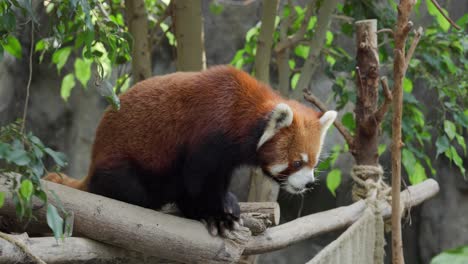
369	185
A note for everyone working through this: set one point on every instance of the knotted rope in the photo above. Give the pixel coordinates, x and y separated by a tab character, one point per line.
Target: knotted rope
369	183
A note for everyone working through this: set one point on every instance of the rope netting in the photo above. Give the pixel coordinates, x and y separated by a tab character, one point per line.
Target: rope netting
363	242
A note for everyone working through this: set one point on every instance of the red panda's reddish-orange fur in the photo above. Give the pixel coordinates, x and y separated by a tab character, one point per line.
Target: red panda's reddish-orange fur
177	138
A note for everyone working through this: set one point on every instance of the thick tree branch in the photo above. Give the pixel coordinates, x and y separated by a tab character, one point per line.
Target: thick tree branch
308	96
265	41
138	27
445	16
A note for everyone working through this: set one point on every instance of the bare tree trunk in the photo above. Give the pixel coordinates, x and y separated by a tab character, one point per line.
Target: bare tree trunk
265	41
138	27
367	72
262	189
188	24
399	70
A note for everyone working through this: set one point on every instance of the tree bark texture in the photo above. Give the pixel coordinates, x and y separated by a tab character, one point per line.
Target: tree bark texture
139	229
188	25
399	69
265	41
71	251
137	22
367	72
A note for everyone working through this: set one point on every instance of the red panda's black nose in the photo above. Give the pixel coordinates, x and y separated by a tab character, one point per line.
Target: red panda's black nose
309	185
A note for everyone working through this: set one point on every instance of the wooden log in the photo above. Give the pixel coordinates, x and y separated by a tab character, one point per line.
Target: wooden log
139	229
312	225
73	250
271	210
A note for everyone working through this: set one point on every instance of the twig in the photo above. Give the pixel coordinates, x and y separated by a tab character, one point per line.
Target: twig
417	36
22	247
445	16
28	86
380	113
308	96
299	35
344	18
385	30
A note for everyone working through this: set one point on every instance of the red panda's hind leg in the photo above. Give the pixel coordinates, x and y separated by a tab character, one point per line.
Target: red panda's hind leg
122	182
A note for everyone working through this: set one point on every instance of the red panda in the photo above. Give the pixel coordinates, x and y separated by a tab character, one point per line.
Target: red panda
178	138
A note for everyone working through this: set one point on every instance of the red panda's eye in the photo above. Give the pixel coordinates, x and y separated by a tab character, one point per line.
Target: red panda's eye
297	164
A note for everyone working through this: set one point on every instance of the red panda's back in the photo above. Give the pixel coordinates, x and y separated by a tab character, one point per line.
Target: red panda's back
161	113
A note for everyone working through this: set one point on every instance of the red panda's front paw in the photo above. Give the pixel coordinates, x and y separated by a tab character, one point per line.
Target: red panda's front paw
227	221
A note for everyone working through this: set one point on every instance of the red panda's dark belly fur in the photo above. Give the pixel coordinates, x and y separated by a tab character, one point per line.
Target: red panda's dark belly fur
177	138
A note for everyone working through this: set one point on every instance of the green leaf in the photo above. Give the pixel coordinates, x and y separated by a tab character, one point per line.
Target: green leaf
294	80
19	157
329	38
442	144
60	57
54	221
461	142
333	180
68	83
450	129
40	45
2	199
452	154
408	161
418	175
292	64
26	189
330	60
83	71
105	89
433	11
452	256
216	9
349	122
302	51
381	149
407	85
59	158
12	46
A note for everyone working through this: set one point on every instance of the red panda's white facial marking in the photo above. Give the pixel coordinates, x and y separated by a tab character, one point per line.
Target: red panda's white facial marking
291	154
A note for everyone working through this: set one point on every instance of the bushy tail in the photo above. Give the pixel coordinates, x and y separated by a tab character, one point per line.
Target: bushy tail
63	179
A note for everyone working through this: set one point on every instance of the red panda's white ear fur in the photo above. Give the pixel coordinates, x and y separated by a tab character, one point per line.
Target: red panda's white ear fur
327	119
281	116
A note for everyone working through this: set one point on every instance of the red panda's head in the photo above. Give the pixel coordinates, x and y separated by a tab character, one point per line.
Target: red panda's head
290	146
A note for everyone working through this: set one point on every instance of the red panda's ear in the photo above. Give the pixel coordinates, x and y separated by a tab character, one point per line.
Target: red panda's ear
281	116
326	120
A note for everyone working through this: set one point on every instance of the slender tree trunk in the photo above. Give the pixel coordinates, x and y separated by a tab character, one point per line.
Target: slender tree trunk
399	70
188	24
265	41
367	72
311	63
262	189
138	26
